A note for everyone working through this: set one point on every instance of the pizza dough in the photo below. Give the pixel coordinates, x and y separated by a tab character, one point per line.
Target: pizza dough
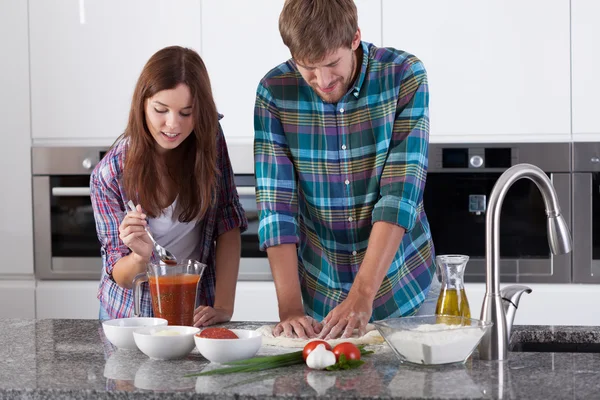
371	337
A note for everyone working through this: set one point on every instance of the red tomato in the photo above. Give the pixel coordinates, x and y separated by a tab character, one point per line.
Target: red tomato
310	346
349	350
217	333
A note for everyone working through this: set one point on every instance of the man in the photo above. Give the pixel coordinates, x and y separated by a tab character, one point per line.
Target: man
341	139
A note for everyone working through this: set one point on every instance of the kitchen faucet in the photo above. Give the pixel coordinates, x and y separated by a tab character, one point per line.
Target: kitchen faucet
494	344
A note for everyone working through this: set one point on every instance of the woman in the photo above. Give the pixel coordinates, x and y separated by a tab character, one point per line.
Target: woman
172	162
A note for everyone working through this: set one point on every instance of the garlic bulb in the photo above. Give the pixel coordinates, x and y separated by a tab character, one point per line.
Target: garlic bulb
320	358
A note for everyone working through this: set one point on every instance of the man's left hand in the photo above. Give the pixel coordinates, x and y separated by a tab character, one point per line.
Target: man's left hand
205	315
352	313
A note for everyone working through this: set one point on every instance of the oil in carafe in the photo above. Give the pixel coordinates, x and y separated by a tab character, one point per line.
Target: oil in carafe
453	298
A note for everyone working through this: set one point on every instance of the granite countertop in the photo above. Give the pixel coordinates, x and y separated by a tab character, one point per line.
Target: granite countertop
72	359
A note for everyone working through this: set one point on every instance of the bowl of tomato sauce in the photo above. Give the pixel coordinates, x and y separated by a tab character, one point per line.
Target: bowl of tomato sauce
222	345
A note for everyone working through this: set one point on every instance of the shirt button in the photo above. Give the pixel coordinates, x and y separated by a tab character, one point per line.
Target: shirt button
343	147
342	110
354	253
347	182
355	94
350	219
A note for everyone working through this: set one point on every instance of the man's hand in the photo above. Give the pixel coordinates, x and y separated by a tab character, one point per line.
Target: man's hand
205	316
352	313
301	326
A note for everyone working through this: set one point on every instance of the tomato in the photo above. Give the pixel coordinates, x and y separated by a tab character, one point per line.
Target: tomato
217	333
310	346
349	350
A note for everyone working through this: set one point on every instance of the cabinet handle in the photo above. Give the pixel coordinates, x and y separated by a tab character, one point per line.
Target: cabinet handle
70	191
246	191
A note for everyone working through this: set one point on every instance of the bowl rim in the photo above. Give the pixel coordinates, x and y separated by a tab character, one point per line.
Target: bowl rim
145	330
253	337
113	323
475	323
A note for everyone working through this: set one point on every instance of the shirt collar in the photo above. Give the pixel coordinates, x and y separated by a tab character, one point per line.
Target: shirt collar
363	69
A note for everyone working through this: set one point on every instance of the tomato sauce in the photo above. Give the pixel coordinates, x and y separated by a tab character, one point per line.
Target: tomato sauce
217	333
174	298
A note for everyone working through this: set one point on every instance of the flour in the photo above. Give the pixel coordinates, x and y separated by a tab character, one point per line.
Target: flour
436	344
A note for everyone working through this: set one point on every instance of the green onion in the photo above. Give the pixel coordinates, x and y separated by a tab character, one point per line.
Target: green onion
263	363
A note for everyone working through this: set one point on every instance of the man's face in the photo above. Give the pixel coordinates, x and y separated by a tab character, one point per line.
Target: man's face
331	77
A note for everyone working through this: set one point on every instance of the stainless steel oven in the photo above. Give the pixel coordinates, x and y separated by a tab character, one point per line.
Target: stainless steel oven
65	242
586	212
254	265
459	181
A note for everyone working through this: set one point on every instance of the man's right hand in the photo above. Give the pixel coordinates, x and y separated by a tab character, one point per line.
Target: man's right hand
299	325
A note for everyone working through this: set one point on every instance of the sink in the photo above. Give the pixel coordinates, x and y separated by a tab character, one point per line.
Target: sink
554	347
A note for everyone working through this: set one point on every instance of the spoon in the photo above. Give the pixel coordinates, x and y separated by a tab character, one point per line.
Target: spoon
164	254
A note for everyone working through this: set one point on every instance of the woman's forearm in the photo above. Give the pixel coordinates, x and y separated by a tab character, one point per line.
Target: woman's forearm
127	268
227	264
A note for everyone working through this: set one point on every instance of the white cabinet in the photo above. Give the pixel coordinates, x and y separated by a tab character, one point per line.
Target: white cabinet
241	43
18	298
255	301
16	232
67	299
86	56
498	70
586	64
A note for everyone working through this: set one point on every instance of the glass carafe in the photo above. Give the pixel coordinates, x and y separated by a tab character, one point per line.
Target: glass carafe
453	299
173	290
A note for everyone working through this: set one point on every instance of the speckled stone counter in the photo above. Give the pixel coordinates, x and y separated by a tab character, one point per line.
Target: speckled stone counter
72	359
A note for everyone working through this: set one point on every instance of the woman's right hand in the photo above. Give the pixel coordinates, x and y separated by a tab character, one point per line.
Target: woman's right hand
133	234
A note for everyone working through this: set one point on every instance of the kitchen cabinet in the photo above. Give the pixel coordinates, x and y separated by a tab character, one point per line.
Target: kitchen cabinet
585	43
67	299
86	56
240	49
498	70
255	301
16	232
18	298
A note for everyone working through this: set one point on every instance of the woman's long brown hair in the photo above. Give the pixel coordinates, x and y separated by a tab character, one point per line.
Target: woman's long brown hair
193	164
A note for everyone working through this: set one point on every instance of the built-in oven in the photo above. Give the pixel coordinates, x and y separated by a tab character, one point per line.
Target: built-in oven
65	242
460	179
254	265
586	212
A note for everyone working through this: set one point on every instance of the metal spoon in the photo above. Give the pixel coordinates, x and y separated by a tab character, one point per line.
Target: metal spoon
164	254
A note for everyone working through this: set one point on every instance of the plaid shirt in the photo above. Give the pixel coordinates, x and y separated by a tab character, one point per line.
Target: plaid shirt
109	204
325	173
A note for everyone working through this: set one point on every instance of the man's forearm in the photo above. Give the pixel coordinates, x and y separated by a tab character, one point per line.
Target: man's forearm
384	241
227	264
284	268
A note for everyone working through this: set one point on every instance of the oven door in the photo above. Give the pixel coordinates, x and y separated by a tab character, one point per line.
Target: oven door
254	265
452	201
586	211
65	240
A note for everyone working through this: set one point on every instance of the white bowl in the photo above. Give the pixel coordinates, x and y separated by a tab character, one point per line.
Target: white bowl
120	331
165	342
227	350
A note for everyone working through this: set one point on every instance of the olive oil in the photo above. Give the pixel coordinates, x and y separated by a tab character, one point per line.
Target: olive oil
453	302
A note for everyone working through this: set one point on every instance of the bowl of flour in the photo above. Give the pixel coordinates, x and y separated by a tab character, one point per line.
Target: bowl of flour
432	339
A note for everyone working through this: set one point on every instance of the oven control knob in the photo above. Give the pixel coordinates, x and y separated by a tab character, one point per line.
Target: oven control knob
476	161
87	163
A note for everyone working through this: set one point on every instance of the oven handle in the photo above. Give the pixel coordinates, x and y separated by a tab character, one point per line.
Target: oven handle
70	191
246	191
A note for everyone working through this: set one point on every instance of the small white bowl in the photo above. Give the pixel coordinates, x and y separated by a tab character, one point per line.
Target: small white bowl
165	342
120	331
228	350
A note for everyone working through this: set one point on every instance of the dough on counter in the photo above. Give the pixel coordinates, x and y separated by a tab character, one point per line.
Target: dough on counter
371	337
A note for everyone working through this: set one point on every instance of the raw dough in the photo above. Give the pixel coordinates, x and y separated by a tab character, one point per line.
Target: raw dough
371	337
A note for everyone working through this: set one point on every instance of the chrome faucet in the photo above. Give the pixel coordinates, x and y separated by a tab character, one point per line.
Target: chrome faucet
494	344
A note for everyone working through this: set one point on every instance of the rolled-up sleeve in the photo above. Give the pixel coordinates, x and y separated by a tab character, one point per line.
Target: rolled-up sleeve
276	187
108	213
404	173
230	213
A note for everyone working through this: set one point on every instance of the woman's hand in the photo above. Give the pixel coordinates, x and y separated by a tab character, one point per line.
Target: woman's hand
206	315
132	233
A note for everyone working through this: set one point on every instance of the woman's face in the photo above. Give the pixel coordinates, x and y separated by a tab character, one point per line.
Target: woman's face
169	117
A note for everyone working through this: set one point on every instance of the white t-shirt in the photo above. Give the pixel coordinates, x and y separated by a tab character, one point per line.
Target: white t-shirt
180	238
